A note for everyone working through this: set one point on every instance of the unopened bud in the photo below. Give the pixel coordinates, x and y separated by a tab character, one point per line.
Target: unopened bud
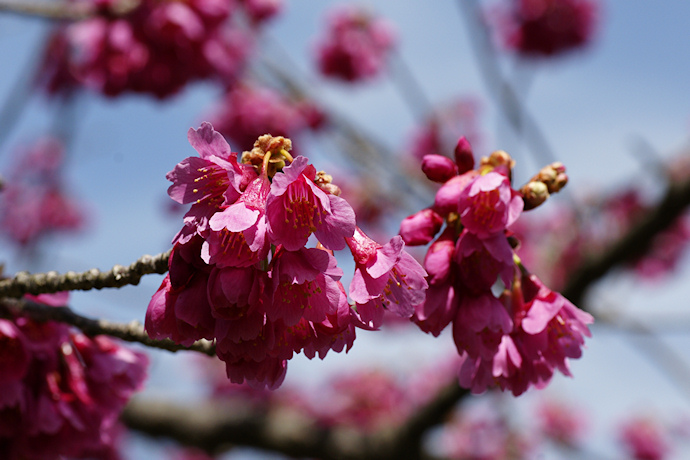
534	193
438	168
499	161
464	157
325	183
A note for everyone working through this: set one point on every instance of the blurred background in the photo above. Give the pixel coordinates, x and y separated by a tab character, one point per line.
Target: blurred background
615	109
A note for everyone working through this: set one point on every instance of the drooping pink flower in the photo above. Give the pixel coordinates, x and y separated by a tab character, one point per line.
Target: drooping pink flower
305	286
386	277
481	261
212	180
238	233
549	27
488	204
644	439
297	207
356	45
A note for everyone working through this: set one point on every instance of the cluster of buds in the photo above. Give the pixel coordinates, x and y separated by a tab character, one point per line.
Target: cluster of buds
550	179
240	271
61	392
356	45
155	47
513	340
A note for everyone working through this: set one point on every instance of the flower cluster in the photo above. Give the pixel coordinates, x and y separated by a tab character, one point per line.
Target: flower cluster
514	340
240	271
248	111
549	27
33	202
61	392
356	45
155	48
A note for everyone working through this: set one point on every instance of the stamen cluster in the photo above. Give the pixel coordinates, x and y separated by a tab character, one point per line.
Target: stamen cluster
513	340
241	272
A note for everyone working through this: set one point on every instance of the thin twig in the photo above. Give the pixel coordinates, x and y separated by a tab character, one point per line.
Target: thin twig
50	282
130	332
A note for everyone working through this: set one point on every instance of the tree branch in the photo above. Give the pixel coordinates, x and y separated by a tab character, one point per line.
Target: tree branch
631	245
118	276
130	332
215	426
51	10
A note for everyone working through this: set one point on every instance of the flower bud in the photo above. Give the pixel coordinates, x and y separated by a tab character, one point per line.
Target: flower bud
464	157
534	193
438	168
421	227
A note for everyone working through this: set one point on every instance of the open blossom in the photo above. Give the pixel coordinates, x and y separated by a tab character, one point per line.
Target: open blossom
386	277
240	272
514	341
356	45
297	207
61	393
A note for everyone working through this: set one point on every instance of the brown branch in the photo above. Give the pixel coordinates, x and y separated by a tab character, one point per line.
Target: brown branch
65	10
215	426
130	332
631	245
50	282
51	10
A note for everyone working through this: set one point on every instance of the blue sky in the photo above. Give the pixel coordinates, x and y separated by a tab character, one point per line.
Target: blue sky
631	83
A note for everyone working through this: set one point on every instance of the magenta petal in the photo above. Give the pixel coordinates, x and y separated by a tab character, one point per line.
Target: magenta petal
386	257
208	142
235	218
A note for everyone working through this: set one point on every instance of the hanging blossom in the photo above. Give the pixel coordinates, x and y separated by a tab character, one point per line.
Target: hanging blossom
644	439
355	46
33	199
61	392
514	340
240	271
536	28
156	47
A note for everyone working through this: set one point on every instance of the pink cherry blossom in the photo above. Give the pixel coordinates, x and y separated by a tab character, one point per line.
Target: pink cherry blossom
297	207
488	205
438	168
355	46
385	277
